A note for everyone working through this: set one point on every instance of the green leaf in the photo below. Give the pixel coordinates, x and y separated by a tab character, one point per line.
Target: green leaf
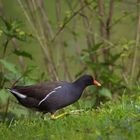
97	46
105	92
9	66
115	57
7	24
23	53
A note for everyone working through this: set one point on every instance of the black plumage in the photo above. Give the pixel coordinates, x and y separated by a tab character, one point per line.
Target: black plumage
51	96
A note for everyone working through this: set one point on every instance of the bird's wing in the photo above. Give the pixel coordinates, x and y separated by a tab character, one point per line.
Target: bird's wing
38	91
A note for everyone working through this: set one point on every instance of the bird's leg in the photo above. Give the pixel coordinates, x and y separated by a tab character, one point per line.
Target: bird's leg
59	116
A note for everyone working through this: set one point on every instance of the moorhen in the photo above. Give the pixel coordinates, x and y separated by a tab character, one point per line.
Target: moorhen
51	96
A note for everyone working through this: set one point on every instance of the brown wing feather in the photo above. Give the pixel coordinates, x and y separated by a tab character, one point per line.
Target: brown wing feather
38	91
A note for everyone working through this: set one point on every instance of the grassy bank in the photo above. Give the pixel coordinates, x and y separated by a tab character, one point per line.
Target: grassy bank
119	120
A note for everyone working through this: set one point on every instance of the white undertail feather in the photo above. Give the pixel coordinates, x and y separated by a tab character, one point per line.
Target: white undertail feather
17	93
49	94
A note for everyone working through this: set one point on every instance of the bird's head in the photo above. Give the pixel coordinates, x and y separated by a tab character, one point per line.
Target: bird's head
89	80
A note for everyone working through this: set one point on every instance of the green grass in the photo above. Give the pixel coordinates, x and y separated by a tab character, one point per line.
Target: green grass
115	120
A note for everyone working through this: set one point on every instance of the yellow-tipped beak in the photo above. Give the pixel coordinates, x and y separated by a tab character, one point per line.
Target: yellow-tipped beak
96	83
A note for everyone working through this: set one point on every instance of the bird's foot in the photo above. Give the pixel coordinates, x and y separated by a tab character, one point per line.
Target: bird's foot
53	117
73	112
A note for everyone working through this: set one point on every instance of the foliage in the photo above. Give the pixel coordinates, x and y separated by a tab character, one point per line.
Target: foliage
12	30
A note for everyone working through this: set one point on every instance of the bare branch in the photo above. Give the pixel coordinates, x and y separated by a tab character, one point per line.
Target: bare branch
68	20
101	18
109	19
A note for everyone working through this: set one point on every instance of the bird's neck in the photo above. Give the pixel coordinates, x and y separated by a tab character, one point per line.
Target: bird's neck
79	84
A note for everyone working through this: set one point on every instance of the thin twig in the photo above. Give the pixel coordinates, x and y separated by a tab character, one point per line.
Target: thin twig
63	54
101	18
6	110
21	60
45	20
109	19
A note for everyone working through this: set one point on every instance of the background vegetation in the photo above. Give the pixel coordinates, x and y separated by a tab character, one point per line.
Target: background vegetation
61	40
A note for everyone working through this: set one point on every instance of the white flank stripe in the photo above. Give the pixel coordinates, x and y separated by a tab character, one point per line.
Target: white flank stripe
46	97
18	94
58	87
49	94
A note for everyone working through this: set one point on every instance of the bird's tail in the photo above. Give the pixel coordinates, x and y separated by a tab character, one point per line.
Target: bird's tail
16	93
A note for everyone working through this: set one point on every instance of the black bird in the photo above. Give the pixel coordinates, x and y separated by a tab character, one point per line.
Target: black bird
51	96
